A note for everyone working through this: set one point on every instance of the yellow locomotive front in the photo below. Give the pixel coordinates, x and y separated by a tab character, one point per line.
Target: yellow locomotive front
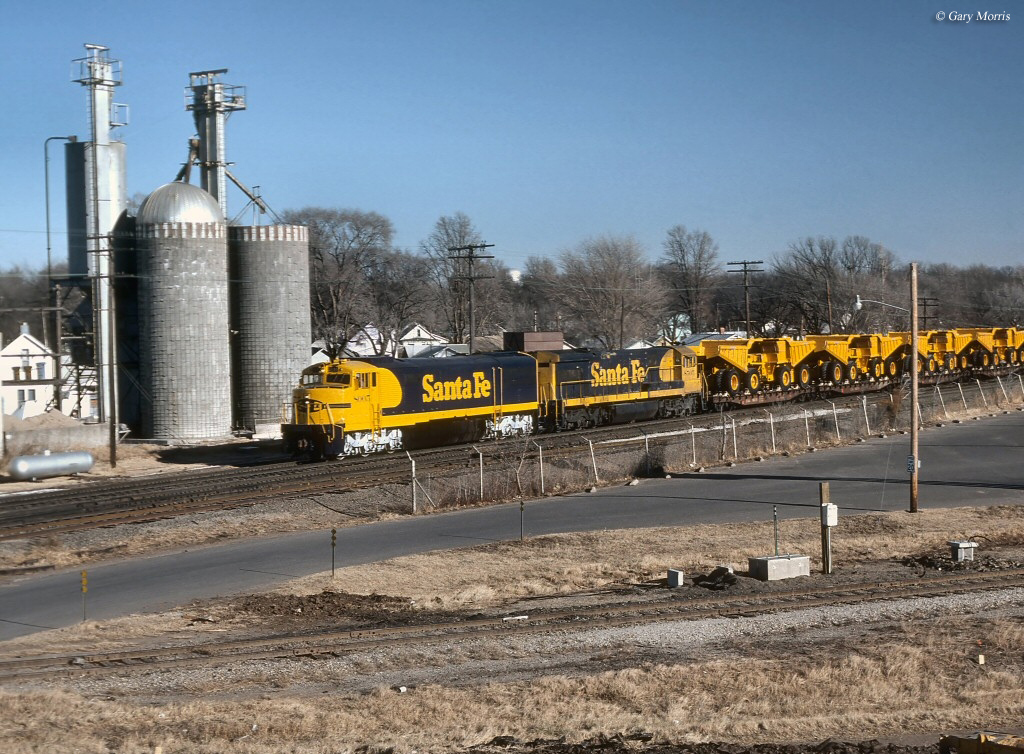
316	414
336	411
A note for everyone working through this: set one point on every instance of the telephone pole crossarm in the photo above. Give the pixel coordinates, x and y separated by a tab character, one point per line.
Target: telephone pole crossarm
469	254
748	267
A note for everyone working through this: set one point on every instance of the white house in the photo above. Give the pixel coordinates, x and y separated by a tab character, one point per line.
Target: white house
418	339
27	372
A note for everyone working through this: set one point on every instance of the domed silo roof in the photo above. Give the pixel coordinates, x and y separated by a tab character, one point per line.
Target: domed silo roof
179	202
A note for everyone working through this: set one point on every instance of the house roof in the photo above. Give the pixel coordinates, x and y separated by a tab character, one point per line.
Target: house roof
26	340
418	332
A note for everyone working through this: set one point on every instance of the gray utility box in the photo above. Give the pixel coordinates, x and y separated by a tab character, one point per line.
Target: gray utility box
778	567
676	578
961	551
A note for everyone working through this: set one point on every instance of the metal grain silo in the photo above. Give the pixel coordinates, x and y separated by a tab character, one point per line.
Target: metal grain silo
184	353
270	326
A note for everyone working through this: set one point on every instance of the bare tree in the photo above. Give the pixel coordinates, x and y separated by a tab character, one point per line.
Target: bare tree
447	274
691	268
974	296
23	298
397	294
611	293
536	304
342	244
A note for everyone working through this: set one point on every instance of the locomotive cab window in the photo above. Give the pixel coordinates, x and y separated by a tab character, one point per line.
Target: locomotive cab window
315	378
366	379
339	378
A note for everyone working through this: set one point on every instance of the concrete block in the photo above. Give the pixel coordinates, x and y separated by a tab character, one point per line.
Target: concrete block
961	551
778	567
676	578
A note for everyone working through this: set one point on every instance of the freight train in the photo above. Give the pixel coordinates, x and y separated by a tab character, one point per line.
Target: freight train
357	406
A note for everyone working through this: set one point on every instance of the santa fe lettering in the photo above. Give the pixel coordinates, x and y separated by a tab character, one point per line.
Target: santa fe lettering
461	388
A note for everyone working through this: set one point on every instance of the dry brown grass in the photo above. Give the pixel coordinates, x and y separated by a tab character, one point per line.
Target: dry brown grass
916	680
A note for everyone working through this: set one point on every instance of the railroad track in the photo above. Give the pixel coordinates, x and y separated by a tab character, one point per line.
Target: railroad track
139	499
328	643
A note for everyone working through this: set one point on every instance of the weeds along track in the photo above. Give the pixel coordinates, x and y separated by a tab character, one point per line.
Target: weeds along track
325	643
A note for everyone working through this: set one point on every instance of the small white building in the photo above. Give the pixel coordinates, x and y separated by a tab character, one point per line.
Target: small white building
27	372
418	339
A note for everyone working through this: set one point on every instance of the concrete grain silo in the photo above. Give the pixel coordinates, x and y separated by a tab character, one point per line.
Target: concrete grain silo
270	322
184	351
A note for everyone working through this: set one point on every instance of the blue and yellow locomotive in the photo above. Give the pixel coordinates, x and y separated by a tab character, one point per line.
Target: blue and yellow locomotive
360	406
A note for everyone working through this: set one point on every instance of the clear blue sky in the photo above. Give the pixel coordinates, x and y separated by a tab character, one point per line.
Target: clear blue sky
551	121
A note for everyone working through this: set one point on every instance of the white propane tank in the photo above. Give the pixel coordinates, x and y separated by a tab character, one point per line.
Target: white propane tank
24	468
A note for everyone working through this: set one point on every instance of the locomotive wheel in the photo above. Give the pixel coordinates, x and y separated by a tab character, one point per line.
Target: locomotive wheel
803	376
753	381
783	378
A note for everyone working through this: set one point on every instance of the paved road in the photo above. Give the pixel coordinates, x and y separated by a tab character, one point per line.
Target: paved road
975	463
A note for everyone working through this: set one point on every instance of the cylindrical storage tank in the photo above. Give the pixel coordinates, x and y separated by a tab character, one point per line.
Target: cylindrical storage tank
184	351
270	322
50	464
111	171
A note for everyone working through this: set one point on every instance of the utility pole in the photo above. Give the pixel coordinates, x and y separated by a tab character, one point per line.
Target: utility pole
828	303
914	412
747	269
469	254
